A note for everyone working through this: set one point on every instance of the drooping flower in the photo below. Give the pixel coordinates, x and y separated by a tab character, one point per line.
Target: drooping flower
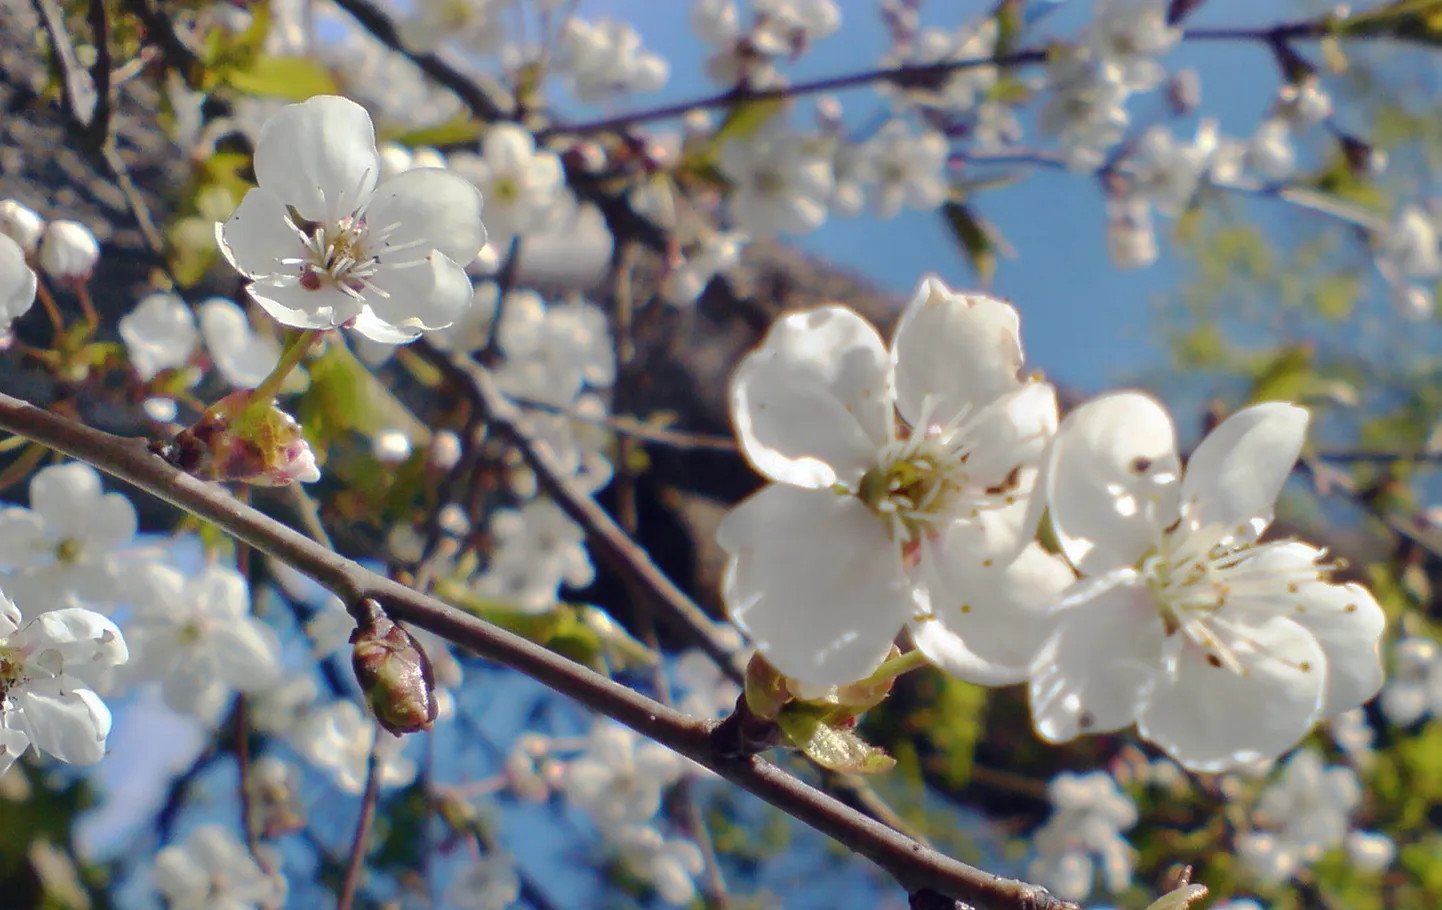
901	480
1224	650
61	551
326	244
214	870
49	669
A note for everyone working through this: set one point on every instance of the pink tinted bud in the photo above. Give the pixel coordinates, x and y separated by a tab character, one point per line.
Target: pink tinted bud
265	448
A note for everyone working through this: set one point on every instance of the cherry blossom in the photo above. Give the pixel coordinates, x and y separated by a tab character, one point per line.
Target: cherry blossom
524	187
489	883
1128	36
781	180
1222	649
62	550
243	356
325	244
900	481
21	224
1414	690
909	169
214	870
537	549
338	739
17	284
604	58
620	778
668	864
159	334
50	668
476	25
197	638
1083	837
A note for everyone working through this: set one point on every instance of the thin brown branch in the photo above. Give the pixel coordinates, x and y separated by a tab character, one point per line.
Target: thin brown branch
356	861
77	93
914	866
100	74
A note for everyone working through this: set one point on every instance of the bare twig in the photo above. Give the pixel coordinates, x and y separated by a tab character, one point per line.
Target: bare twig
100	76
356	862
913	865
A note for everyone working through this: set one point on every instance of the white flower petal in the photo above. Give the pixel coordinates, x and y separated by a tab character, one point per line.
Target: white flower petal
815	581
1111	480
987	621
1348	623
290	304
255	239
1234	476
71	726
964	350
320	157
432	294
812	404
1210	718
427	209
1094	673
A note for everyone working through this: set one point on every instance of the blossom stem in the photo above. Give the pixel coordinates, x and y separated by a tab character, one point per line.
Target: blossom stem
894	667
265	393
47	300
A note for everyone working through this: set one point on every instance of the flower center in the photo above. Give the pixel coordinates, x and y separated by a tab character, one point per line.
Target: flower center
12	669
1196	572
68	551
336	254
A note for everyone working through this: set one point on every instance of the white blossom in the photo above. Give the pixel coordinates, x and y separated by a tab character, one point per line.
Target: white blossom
1414	690
17	284
604	58
524	187
68	251
1354	736
325	244
901	489
781	180
1168	172
475	25
553	351
668	864
62	550
50	668
213	870
536	549
705	690
21	224
715	22
159	334
197	638
1085	109
1129	36
619	780
909	169
243	356
338	739
788	24
1270	152
1131	236
1083	837
489	883
965	88
1222	649
1303	815
715	253
1304	104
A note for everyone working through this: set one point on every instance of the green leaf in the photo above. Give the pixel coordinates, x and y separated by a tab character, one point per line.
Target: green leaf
287	78
977	238
1408	20
345	396
744	120
458	131
835	748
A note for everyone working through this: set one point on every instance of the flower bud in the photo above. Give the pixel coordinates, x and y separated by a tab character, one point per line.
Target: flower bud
264	449
395	675
68	251
21	225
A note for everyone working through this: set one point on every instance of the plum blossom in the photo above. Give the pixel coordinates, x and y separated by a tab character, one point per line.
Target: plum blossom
901	483
197	638
159	334
1223	650
50	668
619	780
1083	837
62	550
17	284
213	870
326	244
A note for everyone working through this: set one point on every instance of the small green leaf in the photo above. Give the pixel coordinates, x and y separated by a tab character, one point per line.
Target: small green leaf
457	131
834	748
744	120
287	78
977	239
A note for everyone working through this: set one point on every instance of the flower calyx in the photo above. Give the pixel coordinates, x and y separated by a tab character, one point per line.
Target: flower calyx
235	440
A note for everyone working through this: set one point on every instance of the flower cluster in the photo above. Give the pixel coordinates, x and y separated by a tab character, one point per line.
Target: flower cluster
1084	836
906	490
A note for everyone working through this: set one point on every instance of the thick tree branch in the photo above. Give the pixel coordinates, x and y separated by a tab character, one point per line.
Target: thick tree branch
913	865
